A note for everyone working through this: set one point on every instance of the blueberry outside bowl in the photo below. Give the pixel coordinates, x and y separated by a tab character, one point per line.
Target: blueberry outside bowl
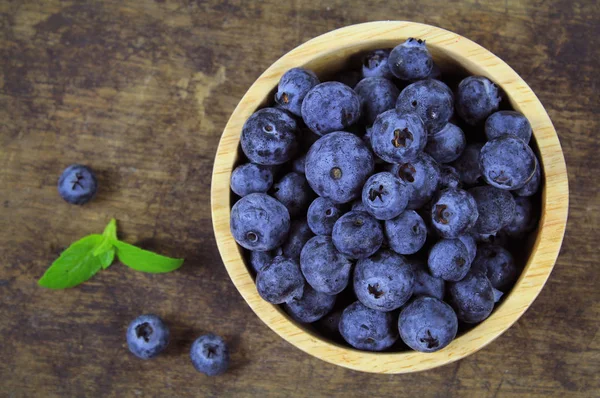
452	52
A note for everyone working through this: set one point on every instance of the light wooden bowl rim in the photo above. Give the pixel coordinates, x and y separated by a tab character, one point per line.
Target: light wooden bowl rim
476	60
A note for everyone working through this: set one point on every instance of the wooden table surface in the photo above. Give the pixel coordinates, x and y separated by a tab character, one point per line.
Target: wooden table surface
140	91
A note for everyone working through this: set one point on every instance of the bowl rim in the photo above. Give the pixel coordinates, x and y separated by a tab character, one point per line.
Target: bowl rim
555	195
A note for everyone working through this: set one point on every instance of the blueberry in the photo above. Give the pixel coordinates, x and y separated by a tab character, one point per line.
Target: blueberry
147	336
311	307
251	178
280	281
269	137
357	235
507	122
259	222
431	99
293	87
299	234
377	95
384	281
385	196
507	162
454	212
449	177
349	77
410	60
358	205
338	165
449	259
496	208
210	355
77	184
326	269
472	297
375	64
524	220
446	145
467	164
258	260
368	329
498	238
322	215
398	138
497	264
294	193
436	72
533	185
329	325
422	175
425	283
299	164
477	97
330	106
471	244
406	234
427	324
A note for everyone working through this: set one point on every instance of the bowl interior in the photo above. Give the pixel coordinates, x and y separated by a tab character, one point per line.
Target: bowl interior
457	57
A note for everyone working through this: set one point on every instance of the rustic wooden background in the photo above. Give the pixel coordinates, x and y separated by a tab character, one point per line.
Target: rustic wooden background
140	91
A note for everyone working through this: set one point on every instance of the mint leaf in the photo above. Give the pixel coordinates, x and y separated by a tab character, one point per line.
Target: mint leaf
145	261
106	258
109	235
75	265
111	230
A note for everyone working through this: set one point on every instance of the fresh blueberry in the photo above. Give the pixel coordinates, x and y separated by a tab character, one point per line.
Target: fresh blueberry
454	212
210	355
375	64
293	87
431	100
446	145
398	138
329	325
330	106
436	72
524	219
299	234
497	264
507	162
449	177
385	196
384	281
77	184
467	164
377	95
259	222
406	234
280	281
349	77
258	260
425	283
251	178
368	329
498	238
358	205
269	137
422	175
471	244
472	297
147	336
357	234
410	60
294	193
533	185
427	324
338	165
311	307
324	267
507	122
298	165
449	259
496	208
322	215
477	98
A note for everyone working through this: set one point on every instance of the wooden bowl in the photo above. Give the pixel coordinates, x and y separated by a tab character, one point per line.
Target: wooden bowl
329	52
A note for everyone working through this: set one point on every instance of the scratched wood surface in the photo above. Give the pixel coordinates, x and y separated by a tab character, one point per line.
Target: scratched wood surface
140	91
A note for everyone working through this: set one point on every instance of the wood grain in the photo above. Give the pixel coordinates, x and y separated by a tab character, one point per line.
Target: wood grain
141	91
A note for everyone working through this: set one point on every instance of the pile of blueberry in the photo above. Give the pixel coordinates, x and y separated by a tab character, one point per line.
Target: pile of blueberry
386	207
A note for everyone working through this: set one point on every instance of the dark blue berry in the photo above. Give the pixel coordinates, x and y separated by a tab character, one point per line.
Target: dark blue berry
294	193
398	138
454	212
422	175
358	205
368	329
498	238
532	186
269	137
449	259
251	178
329	325
357	235
311	307
431	100
507	162
472	297
338	165
324	267
349	77
446	145
299	164
385	196
259	222
293	87
497	264
258	260
496	208
322	215
147	336
384	281
449	177
477	98
377	95
524	219
375	64
77	184
410	60
427	324
330	106
425	283
507	122
467	165
299	234
471	244
280	281
210	355
407	233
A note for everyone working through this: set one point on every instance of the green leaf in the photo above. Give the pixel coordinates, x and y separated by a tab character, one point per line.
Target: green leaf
145	261
107	258
109	235
111	230
75	265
